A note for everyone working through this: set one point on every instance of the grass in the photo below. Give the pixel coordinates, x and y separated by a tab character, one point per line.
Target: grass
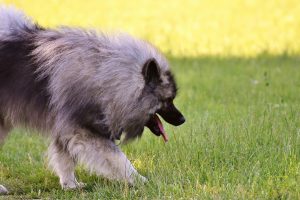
239	80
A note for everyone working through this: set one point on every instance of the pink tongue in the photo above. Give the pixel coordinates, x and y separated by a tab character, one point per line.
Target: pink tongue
161	128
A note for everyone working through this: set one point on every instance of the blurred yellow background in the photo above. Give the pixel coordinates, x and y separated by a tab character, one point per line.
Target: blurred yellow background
184	27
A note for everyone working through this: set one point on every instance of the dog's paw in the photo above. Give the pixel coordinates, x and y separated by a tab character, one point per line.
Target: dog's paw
143	179
81	185
3	190
137	179
73	185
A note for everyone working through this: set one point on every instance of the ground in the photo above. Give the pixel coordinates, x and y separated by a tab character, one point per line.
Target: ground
237	67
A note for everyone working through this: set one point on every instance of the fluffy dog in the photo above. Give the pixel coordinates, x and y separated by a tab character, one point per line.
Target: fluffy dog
84	89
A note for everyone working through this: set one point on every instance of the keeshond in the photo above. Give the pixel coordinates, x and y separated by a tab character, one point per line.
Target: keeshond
84	89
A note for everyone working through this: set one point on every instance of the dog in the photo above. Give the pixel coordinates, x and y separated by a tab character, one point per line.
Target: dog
85	90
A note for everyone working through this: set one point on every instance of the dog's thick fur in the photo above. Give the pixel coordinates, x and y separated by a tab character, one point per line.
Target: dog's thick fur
84	89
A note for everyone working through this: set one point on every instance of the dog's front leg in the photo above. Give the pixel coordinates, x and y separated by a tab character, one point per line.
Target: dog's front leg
63	164
104	158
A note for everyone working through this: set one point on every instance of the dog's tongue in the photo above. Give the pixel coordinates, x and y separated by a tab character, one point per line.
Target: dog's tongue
161	128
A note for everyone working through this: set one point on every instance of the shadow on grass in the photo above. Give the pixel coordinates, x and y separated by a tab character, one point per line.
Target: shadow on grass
265	58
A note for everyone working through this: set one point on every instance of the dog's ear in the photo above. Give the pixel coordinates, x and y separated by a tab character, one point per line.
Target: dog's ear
151	71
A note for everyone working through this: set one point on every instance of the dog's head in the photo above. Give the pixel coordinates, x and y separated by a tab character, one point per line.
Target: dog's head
160	90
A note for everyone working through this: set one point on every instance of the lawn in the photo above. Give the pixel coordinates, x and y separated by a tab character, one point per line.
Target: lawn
237	64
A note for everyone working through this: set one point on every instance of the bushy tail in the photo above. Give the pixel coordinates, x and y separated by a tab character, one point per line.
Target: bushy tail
14	23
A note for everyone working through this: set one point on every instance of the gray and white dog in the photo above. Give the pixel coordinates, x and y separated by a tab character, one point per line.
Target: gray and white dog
85	89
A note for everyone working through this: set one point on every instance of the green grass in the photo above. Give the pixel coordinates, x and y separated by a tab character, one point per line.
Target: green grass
239	82
241	139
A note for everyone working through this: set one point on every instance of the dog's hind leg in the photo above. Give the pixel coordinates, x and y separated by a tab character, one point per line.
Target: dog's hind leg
3	190
3	134
63	164
4	130
104	158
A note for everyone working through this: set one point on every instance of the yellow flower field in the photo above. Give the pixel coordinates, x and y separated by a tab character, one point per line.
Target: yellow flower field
184	28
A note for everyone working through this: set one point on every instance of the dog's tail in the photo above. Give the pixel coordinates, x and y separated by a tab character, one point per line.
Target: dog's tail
14	23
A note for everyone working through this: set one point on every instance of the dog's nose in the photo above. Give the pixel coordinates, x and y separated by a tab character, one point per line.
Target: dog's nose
181	120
